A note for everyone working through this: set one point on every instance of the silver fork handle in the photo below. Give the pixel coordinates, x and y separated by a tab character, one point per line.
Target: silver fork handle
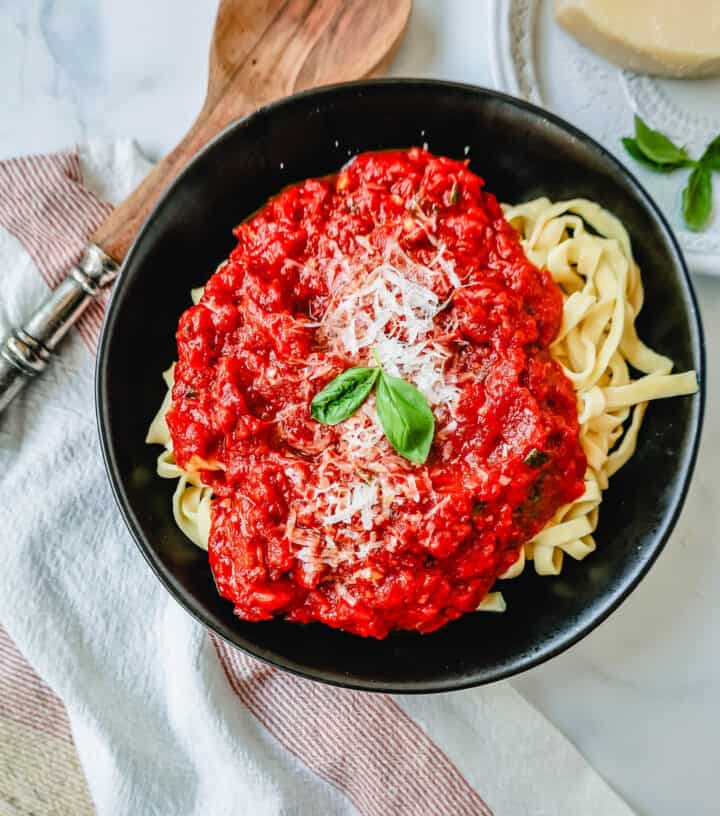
25	352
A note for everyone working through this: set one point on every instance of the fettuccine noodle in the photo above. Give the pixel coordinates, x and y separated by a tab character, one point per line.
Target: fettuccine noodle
191	499
597	345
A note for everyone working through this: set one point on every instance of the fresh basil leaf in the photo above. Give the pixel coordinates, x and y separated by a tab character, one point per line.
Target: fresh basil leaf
657	147
633	149
697	198
711	157
405	417
342	396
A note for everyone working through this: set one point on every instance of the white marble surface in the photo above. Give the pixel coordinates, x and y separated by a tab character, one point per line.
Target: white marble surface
639	696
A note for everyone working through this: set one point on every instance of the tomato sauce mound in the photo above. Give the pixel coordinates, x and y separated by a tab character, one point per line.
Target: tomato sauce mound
329	523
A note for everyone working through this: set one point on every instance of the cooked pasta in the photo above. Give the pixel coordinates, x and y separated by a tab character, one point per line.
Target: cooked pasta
191	499
597	347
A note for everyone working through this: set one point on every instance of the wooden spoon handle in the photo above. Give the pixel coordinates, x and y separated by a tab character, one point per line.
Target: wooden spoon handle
261	50
118	231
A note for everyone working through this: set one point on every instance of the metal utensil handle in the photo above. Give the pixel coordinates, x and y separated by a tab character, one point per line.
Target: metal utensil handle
25	352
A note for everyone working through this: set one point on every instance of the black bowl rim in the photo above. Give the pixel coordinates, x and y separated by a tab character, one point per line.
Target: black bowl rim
517	665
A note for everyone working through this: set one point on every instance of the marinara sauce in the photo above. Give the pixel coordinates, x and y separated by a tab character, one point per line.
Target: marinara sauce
405	255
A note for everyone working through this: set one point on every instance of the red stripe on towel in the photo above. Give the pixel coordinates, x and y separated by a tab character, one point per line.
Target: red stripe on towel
24	698
363	744
44	205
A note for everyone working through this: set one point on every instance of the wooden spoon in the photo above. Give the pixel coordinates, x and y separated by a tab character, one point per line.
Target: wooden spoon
262	50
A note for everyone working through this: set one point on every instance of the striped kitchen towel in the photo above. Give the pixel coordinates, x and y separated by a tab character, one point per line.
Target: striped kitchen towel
162	718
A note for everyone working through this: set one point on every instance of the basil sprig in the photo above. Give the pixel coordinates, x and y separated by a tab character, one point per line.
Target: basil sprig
404	413
697	198
633	148
342	396
711	156
655	151
405	417
657	147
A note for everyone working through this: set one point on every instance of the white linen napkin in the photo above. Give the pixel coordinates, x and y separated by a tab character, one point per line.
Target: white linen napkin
165	719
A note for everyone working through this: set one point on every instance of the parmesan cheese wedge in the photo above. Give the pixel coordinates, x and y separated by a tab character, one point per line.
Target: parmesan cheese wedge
675	38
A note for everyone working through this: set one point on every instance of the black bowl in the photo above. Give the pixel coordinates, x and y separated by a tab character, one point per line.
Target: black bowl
522	152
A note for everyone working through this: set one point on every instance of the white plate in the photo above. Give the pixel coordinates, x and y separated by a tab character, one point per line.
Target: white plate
534	58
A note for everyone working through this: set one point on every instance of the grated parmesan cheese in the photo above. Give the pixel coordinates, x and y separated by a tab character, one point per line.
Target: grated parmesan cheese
379	300
391	308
